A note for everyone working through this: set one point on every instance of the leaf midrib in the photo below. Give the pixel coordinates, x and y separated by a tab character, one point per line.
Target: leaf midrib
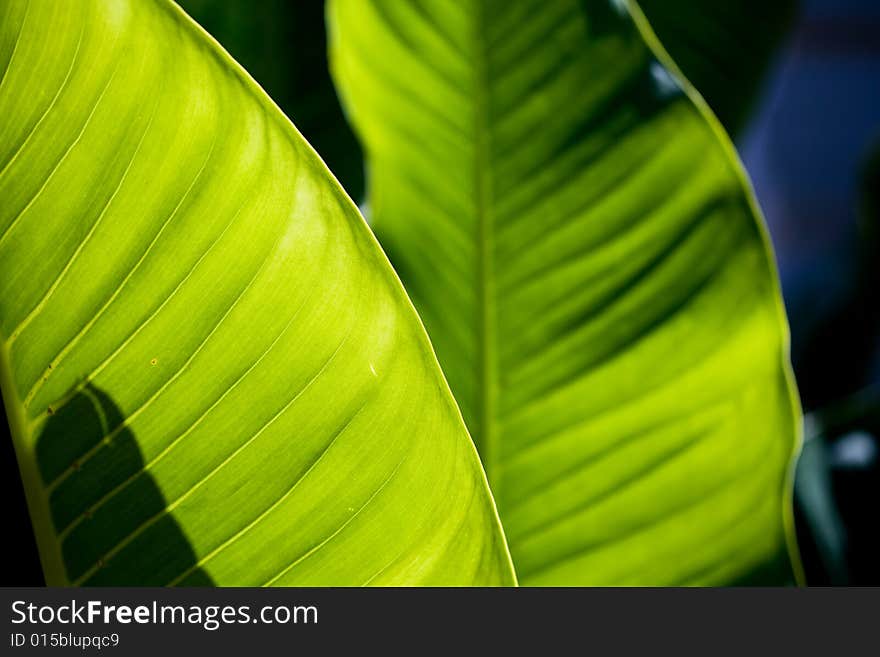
484	431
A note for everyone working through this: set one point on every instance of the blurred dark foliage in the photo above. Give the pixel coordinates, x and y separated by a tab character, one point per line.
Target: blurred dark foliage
21	565
283	45
721	48
838	486
838	483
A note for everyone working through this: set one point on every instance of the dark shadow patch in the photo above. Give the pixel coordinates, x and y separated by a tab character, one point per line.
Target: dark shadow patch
108	510
776	571
22	564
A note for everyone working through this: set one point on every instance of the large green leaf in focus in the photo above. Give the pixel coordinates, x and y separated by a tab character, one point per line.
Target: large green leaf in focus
724	47
589	261
211	372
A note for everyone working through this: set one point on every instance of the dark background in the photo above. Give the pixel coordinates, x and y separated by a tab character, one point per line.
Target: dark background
812	148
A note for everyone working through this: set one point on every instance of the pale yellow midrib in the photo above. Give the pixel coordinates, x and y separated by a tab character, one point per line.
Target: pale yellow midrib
484	431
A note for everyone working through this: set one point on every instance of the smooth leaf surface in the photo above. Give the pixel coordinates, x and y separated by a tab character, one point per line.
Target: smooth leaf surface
586	254
723	48
211	372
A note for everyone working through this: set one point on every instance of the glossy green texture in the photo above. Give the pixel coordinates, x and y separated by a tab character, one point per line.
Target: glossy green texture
580	240
211	372
724	47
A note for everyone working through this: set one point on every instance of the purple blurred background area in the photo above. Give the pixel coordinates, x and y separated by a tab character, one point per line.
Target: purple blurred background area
812	149
804	148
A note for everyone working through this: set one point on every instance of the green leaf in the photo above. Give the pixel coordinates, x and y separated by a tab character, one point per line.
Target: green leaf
283	45
591	266
724	48
211	372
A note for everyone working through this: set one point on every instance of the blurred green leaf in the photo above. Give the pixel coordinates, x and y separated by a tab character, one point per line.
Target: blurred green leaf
724	48
586	253
211	372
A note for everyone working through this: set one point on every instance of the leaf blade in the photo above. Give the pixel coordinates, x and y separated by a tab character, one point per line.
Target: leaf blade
212	374
628	270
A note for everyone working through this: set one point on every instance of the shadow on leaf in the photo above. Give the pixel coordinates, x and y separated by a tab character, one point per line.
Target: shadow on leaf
111	517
